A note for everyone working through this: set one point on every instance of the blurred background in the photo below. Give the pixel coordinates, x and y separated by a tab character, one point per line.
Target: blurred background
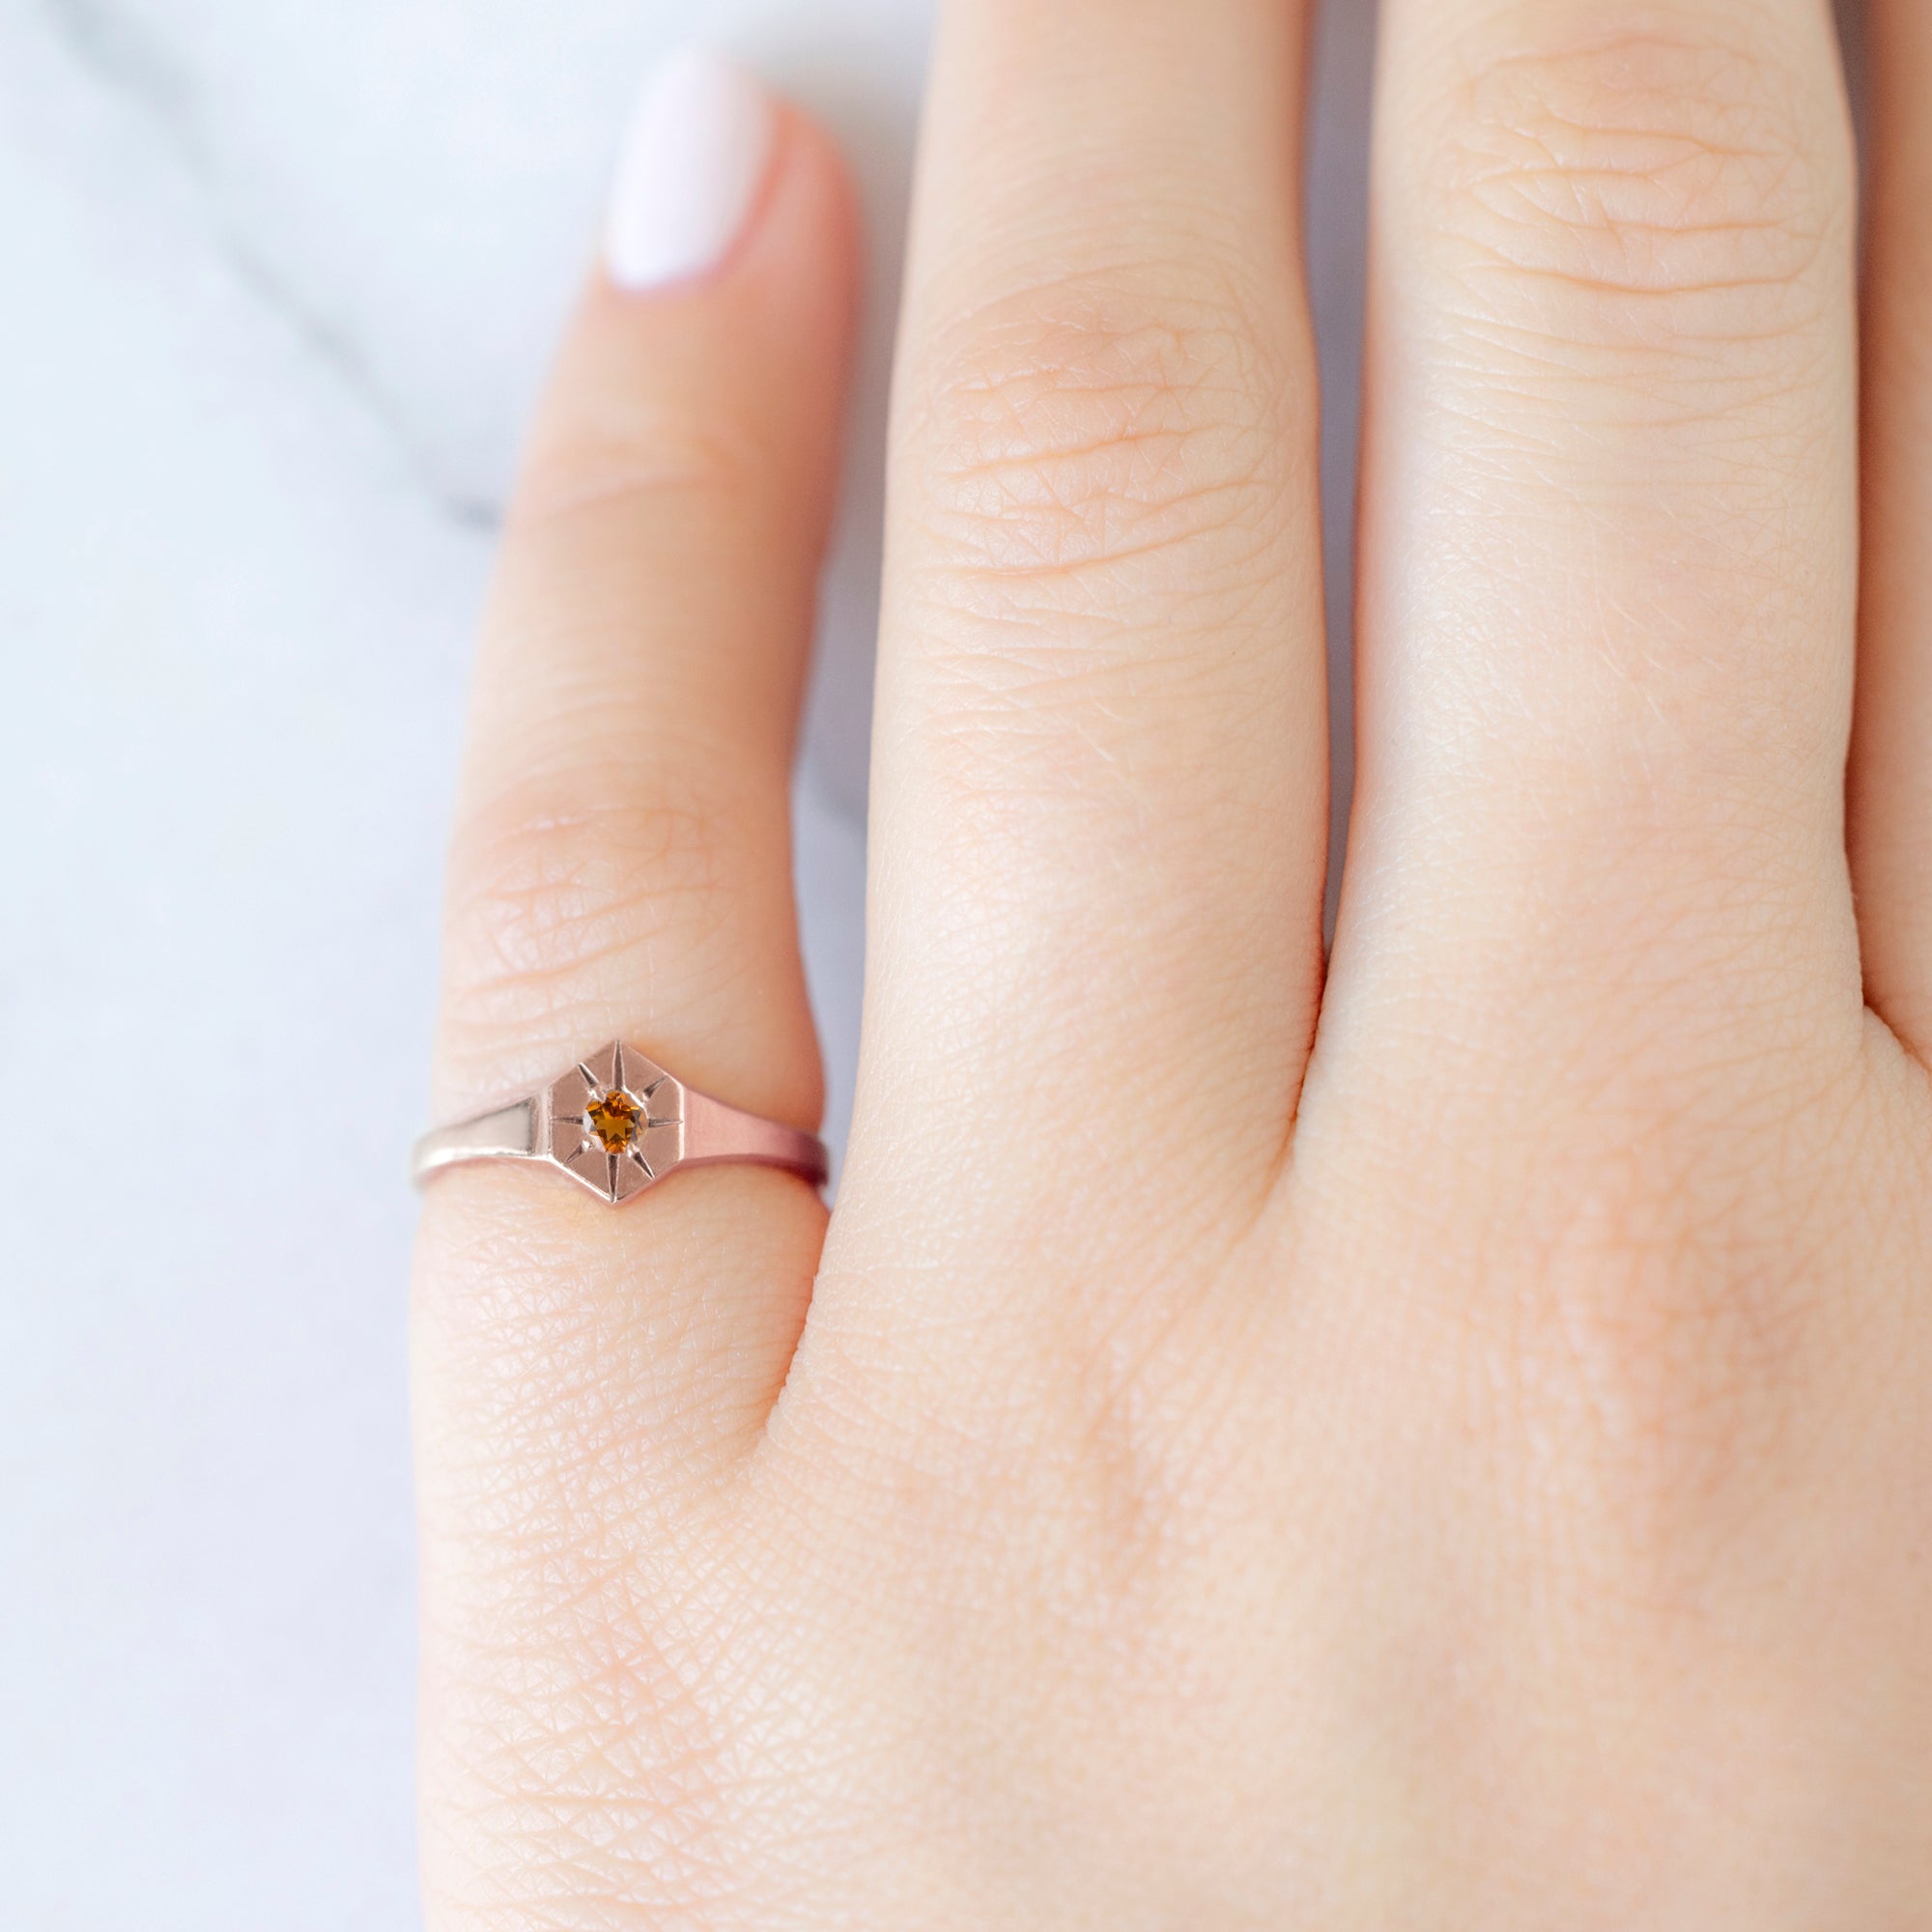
280	277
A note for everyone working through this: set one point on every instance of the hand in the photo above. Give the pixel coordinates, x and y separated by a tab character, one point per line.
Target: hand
1441	1441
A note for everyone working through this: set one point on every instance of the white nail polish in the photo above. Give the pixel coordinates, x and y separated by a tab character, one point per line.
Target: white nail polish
692	163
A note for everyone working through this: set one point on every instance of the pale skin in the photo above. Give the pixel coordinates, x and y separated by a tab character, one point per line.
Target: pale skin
1438	1436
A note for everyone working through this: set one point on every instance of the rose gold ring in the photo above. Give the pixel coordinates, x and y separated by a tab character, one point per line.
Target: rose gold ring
618	1123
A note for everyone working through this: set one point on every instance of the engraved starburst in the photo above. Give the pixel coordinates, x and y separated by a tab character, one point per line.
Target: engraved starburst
613	1119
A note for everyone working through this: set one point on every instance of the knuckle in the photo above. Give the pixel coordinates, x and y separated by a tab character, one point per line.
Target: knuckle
1674	1316
558	882
561	886
1103	458
1642	185
1095	424
642	454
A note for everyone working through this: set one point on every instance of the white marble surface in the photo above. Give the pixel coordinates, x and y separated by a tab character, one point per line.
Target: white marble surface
278	279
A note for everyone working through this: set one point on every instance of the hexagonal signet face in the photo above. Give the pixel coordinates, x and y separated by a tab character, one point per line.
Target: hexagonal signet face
616	1122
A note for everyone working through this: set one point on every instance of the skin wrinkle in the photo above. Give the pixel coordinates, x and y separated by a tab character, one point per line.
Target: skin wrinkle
611	472
562	874
1566	179
1550	175
1080	387
1506	356
1107	697
1052	303
1084	510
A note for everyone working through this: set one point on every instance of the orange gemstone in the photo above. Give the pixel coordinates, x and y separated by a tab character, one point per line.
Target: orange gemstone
613	1119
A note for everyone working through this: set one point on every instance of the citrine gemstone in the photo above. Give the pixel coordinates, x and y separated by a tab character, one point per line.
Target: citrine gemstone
613	1119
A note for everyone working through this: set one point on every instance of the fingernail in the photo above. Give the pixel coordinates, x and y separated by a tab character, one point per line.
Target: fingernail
692	163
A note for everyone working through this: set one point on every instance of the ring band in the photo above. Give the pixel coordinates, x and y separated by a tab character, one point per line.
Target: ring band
617	1123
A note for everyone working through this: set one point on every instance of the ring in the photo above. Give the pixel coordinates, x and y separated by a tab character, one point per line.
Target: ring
618	1123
